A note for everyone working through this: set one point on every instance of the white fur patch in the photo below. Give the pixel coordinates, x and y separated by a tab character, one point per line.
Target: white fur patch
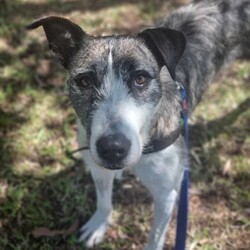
161	173
118	106
165	165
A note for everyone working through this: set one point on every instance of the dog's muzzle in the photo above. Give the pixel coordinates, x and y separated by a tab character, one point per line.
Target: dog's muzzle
113	149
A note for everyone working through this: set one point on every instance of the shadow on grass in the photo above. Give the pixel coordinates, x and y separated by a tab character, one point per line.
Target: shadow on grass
200	134
208	170
15	15
217	126
56	202
59	200
38	9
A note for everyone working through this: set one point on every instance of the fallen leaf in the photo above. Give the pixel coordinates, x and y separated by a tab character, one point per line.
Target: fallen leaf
113	234
227	167
44	231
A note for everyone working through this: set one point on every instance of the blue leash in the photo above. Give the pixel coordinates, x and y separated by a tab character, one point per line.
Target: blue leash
182	217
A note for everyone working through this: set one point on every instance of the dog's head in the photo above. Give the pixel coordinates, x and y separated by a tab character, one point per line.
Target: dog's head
116	85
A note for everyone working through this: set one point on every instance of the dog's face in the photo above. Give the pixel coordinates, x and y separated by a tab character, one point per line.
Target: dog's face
115	90
114	84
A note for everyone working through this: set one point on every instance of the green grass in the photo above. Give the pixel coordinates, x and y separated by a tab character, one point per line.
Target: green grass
40	187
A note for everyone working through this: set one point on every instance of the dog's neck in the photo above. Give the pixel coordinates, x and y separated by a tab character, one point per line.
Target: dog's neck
167	122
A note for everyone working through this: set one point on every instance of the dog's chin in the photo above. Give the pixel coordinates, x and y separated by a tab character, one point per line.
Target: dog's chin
124	164
113	166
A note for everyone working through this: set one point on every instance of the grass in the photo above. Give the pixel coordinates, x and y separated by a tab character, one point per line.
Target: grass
45	196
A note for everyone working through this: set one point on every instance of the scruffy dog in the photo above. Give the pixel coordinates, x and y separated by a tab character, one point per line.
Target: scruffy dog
123	89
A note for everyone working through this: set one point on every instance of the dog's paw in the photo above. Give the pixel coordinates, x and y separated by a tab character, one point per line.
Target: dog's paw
92	233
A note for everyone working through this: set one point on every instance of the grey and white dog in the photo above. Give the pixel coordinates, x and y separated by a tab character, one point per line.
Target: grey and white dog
123	89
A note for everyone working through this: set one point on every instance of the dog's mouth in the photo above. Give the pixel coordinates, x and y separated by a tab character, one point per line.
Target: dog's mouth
113	166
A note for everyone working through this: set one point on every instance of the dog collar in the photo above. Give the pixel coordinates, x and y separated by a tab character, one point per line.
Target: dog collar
156	145
159	144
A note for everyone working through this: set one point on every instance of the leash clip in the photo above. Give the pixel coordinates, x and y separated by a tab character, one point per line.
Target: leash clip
179	85
183	92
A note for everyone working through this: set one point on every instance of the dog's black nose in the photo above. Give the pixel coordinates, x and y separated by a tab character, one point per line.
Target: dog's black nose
113	148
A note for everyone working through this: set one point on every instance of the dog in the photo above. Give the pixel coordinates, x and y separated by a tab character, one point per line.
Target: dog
124	91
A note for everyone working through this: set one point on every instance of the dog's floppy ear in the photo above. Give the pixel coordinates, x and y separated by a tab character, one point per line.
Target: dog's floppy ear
167	45
64	36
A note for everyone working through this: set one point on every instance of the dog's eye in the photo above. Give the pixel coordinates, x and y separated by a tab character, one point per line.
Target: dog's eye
141	78
84	80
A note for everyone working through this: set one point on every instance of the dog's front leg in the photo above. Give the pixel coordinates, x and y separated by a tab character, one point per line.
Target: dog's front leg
93	231
161	173
162	214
